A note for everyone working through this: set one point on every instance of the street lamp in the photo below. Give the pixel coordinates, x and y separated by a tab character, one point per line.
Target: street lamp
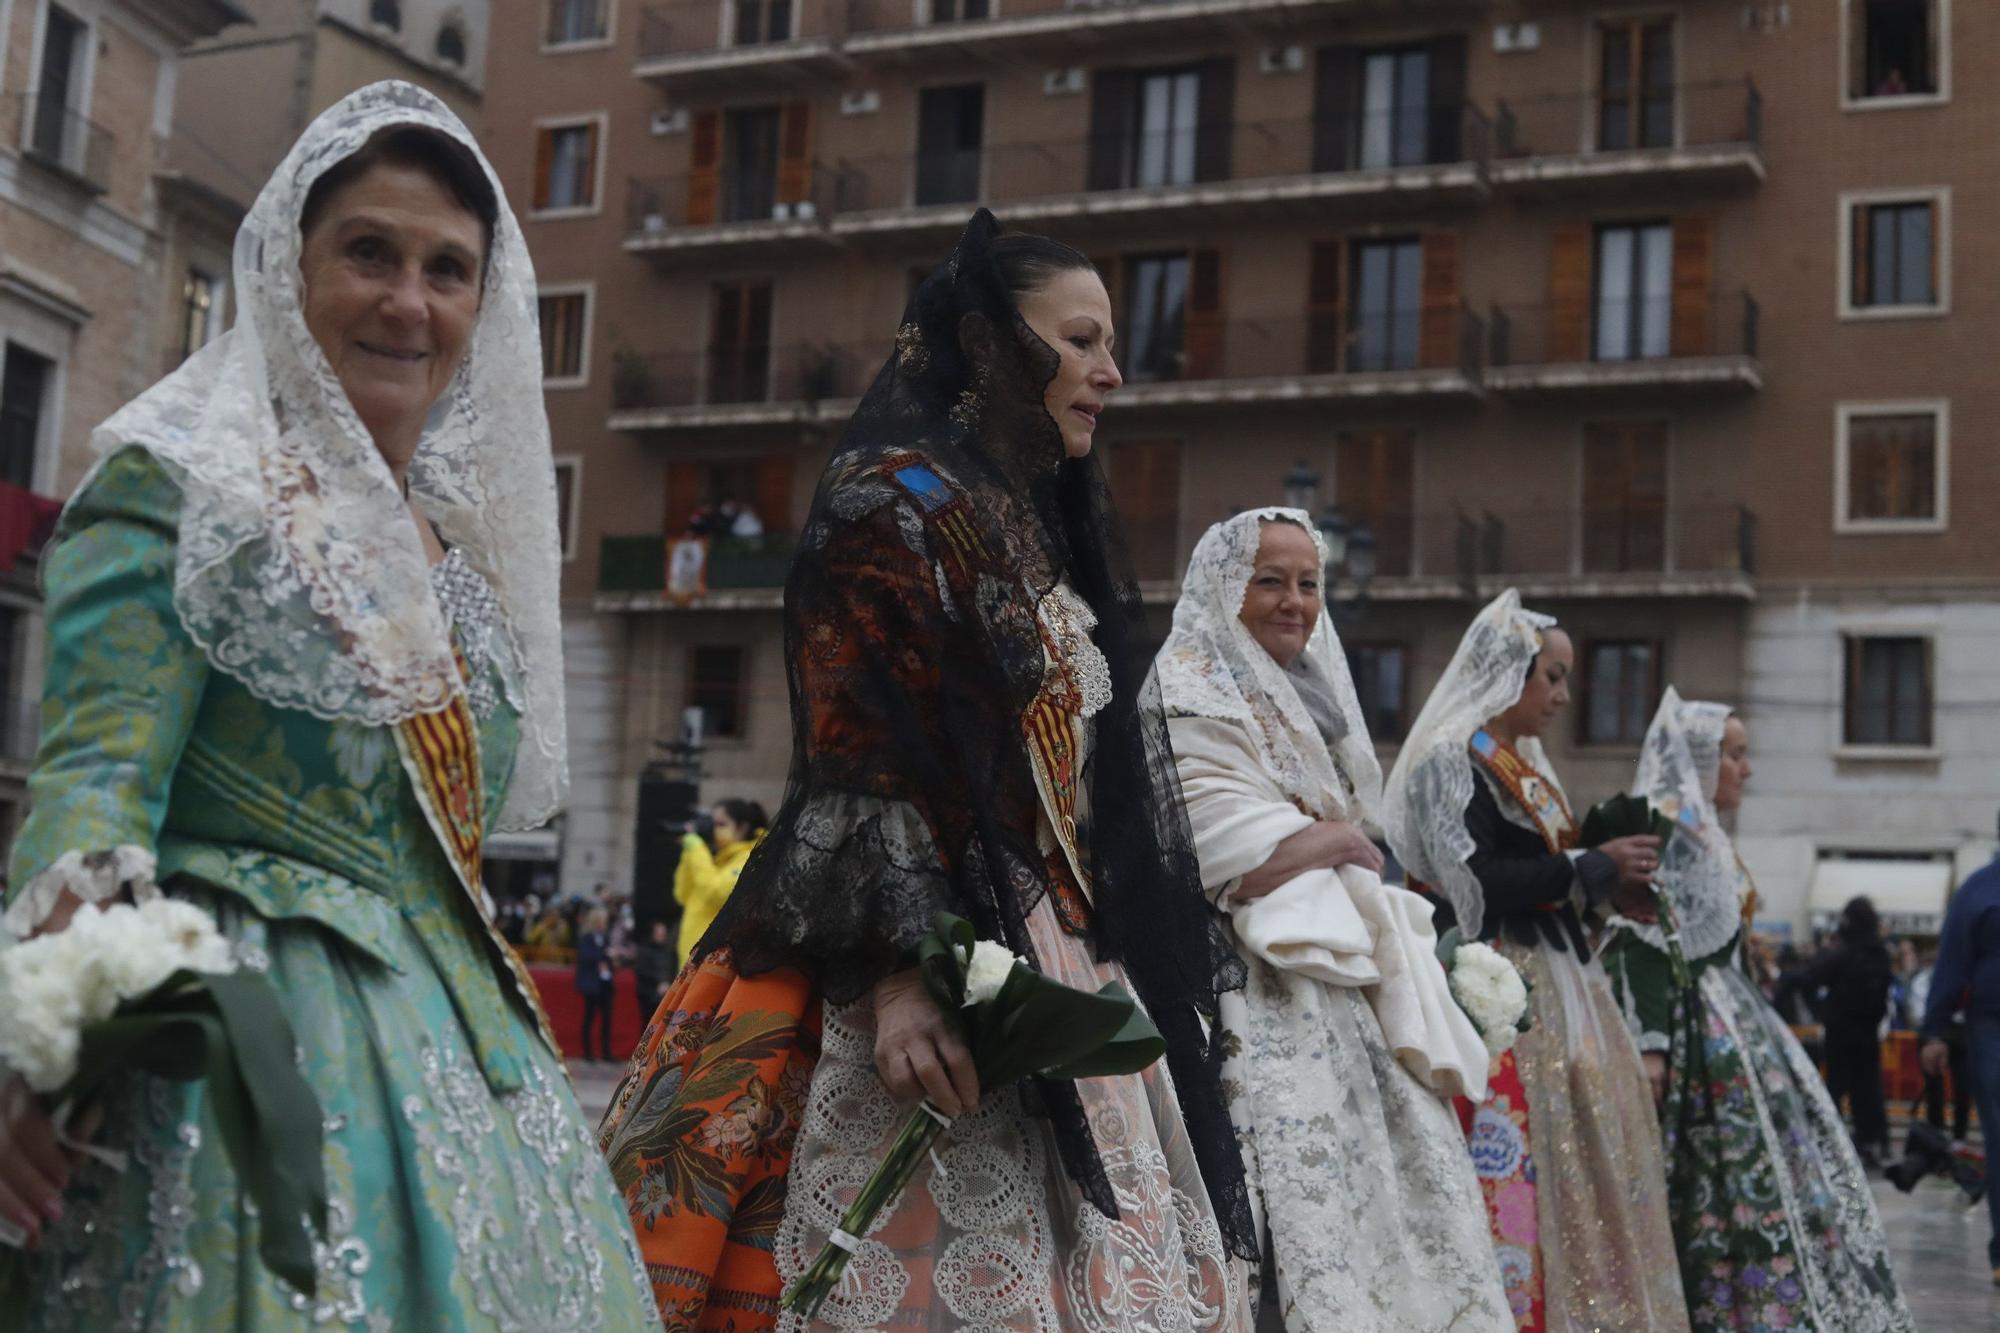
1350	547
1301	487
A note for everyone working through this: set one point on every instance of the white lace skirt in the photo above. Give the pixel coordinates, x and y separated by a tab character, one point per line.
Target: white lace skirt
993	1235
1365	1191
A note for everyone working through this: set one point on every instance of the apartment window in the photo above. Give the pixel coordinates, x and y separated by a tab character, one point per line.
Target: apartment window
1888	690
739	343
24	388
1375	483
1624	496
58	110
1386	313
1163	131
1895	48
1385	107
960	11
200	312
569	488
750	173
565	321
1146	487
759	21
1895	248
1892	467
388	13
1620	687
1635	90
451	44
951	126
1395	107
717	685
1381	681
1156	317
566	166
578	21
1634	291
1160	127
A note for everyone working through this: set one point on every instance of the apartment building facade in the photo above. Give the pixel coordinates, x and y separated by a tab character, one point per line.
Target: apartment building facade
86	100
1651	310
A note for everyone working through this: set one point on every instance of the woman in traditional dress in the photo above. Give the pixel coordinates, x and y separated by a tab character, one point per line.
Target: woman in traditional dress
1776	1224
1565	1143
303	655
971	734
1346	1043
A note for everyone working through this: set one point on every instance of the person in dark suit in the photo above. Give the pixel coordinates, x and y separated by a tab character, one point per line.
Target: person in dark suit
1855	975
594	974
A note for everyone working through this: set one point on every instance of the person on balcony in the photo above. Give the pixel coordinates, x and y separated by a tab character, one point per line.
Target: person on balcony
1565	1143
1771	1209
972	733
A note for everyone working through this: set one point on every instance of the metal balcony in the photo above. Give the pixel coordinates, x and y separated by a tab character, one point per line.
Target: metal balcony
743	385
1648	344
1692	135
65	141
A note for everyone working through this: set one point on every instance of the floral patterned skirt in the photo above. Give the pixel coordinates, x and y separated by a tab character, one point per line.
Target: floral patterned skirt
1775	1220
451	1207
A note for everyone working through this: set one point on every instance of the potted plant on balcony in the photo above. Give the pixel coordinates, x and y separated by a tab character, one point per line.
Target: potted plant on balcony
631	379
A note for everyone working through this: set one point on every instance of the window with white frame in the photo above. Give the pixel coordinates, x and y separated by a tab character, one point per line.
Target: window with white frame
1888	691
1897	250
1892	466
26	384
1897	51
569	500
566	165
574	22
565	321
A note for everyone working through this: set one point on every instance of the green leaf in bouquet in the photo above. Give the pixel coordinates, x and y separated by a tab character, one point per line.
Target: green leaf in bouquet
1623	816
1447	946
1050	1026
941	960
1135	1046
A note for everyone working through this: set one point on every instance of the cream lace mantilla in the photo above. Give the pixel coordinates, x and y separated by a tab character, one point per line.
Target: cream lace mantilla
1677	773
298	570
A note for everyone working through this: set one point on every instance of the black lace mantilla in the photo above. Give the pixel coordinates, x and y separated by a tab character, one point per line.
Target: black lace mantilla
913	649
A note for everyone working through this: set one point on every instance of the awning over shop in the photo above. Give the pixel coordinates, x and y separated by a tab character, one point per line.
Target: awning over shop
1909	895
542	844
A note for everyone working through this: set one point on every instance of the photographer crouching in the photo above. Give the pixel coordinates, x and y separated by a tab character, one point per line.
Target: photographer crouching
1968	976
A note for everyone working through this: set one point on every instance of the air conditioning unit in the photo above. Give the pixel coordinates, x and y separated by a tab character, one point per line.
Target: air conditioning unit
1064	82
863	102
1517	37
670	122
1281	59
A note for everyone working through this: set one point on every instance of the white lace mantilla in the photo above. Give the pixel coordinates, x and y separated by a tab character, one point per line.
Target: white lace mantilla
1677	773
297	568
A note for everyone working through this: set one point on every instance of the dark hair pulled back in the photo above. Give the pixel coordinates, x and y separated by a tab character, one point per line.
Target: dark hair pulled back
1026	260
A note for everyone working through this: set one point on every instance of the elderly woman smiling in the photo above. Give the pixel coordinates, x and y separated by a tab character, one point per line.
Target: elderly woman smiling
303	656
1345	1041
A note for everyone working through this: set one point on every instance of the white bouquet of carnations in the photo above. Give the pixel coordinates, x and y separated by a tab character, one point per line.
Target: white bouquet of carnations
1490	989
154	989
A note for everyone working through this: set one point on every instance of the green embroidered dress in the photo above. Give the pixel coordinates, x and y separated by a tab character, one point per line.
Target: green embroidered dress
467	1192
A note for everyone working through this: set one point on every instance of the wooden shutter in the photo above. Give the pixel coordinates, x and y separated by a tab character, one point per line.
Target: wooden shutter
1694	285
1203	327
684	496
704	168
1336	98
1624	496
1444	137
1438	342
774	493
1375	482
1146	488
1110	128
795	153
1863	257
1569	294
1215	119
545	142
1326	315
1107	269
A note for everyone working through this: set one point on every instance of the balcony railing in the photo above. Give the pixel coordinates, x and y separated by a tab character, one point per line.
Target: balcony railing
743	374
1613	331
697	27
639	564
1291	355
1684	116
62	138
786	196
1619	543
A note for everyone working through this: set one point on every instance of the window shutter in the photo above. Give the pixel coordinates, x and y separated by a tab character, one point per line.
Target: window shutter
1326	321
1110	128
1569	293
545	142
1447	108
1146	490
684	496
1107	267
1438	346
1374	482
774	493
1203	329
795	153
704	173
1694	283
1215	119
1336	95
1861	243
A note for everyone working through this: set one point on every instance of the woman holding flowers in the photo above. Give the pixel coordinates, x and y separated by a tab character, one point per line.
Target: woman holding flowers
1346	1043
1565	1143
303	655
1776	1224
971	736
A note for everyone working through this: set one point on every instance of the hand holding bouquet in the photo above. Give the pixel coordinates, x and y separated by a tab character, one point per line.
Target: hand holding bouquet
1490	989
154	990
1016	1022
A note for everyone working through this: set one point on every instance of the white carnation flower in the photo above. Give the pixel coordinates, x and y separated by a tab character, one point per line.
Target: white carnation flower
189	935
1491	992
987	971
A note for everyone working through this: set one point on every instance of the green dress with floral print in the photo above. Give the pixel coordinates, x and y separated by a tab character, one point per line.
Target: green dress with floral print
1773	1217
466	1189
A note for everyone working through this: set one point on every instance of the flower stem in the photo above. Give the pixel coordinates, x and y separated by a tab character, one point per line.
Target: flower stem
820	1280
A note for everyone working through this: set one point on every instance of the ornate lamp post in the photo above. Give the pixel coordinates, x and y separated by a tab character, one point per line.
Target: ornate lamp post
1350	547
